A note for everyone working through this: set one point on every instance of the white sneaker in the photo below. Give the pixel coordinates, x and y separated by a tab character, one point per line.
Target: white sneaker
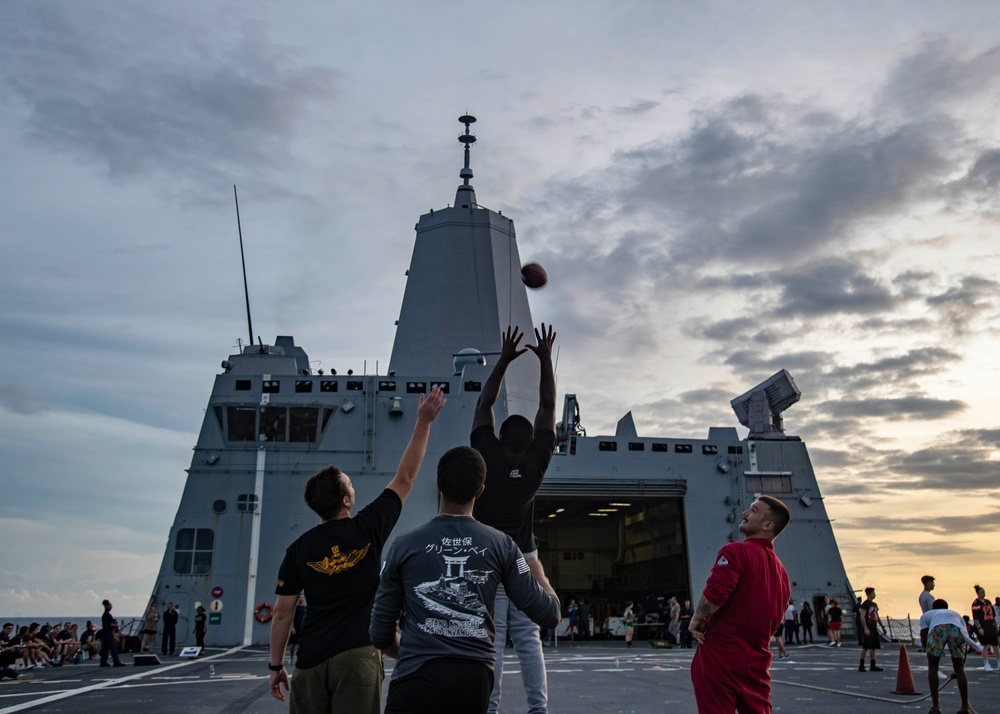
987	668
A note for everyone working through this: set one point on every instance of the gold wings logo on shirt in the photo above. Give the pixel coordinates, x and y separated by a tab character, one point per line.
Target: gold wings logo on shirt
339	562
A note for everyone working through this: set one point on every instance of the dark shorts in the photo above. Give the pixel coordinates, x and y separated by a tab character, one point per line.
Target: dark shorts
149	632
444	684
871	641
989	636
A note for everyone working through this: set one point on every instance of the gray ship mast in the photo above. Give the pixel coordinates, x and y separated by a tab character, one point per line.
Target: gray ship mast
463	288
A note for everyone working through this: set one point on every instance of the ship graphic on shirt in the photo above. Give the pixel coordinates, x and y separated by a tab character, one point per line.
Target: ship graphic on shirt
338	562
450	596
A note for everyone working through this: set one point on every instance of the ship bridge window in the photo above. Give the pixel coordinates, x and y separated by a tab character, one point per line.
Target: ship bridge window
193	549
661	447
735	449
636	446
386	386
271	386
769	483
302	424
416	387
242	423
242	385
272	423
247	503
473	386
709	449
303	385
328	385
607	446
355	385
682	448
445	387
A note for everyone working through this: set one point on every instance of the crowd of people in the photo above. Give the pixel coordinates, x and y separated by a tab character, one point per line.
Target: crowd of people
37	645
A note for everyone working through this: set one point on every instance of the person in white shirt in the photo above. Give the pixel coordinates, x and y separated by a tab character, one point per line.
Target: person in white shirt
940	627
926	598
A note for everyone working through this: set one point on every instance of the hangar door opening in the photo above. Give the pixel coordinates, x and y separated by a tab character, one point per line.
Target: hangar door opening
608	543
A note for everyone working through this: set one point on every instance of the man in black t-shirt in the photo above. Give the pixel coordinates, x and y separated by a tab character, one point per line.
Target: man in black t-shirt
337	565
515	465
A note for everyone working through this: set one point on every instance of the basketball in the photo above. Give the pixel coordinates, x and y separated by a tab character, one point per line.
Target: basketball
534	275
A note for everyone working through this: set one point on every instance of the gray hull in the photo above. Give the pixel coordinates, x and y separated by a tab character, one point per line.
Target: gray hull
618	518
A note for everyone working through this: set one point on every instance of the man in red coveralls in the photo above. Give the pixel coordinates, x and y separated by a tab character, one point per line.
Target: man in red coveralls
742	605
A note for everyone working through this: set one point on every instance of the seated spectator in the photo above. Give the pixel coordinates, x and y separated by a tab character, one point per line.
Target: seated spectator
66	642
89	642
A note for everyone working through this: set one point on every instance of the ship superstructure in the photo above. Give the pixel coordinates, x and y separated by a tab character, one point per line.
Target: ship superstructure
619	517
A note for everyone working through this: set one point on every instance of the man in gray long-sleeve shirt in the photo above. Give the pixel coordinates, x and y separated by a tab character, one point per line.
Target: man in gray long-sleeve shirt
445	576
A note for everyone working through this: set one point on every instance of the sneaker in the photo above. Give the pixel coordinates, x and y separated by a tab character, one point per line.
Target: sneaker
831	643
861	667
120	664
987	668
836	644
874	668
104	664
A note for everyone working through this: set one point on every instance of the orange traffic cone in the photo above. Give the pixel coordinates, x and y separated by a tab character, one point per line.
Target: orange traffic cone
904	678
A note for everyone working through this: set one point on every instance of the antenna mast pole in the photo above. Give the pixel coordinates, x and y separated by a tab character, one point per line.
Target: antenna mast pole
246	290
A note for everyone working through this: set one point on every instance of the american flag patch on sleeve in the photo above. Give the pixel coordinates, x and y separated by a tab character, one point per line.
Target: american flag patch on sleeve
522	566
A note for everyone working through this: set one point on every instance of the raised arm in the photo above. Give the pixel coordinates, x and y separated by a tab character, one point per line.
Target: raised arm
509	352
406	474
545	417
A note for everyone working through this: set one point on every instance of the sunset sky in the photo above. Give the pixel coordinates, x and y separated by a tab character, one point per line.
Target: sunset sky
718	190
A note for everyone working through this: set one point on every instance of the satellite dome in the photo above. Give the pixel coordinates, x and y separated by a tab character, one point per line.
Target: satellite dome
467	356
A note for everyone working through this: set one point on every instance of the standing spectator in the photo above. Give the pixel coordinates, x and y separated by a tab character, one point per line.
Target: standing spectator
169	641
742	605
926	598
629	621
823	620
108	647
150	624
985	623
869	621
836	622
574	613
584	620
445	654
200	628
336	563
515	466
806	619
858	627
940	626
687	612
674	628
791	617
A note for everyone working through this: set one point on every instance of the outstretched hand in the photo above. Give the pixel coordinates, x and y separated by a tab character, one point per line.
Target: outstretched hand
511	338
430	405
544	339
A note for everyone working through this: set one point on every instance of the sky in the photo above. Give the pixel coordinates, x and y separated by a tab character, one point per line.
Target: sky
718	190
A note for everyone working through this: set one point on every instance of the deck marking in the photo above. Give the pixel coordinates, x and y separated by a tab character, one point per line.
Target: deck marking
109	683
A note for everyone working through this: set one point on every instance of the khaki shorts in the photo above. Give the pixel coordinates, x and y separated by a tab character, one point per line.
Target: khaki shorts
348	682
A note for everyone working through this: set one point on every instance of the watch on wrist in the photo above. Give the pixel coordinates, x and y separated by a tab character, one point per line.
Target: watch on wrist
275	667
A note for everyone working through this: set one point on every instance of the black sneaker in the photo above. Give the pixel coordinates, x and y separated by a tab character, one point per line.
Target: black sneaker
874	668
861	667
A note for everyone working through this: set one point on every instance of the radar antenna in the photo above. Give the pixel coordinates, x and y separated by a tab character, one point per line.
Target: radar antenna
468	139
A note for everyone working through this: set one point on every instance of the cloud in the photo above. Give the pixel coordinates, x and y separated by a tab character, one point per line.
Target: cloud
18	399
196	111
911	407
